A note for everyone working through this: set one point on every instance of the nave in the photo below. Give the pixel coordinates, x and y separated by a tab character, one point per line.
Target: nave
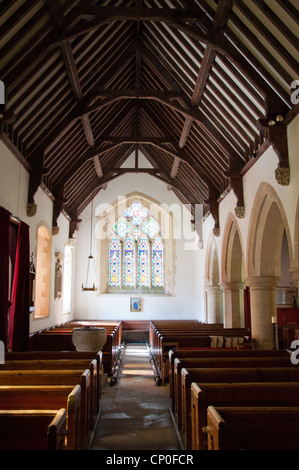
135	413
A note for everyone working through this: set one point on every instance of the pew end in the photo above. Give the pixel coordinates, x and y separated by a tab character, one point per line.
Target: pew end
33	429
252	428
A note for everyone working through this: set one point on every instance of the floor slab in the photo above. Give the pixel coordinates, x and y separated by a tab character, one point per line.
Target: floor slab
135	412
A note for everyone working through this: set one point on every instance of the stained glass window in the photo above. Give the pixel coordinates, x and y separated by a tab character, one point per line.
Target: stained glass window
157	263
143	263
114	262
129	263
136	212
136	256
122	228
151	228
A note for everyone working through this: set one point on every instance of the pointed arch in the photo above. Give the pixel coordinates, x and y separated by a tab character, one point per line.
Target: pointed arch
232	259
213	293
142	229
157	262
232	274
143	268
115	262
212	270
268	222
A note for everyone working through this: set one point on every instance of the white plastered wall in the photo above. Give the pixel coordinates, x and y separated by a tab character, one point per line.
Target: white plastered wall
180	302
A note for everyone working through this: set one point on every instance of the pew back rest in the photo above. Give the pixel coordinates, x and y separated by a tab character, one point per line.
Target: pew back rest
243	374
32	429
204	395
253	428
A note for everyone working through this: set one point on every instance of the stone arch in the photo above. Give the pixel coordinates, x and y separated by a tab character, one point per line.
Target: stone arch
232	252
212	271
213	293
266	227
268	224
232	274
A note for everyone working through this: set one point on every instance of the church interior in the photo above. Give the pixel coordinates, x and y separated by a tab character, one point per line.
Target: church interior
149	213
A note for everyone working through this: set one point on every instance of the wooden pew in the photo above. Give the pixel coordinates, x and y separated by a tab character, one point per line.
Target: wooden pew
236	394
50	398
65	364
187	353
32	429
230	375
59	338
181	390
55	355
185	334
253	428
57	377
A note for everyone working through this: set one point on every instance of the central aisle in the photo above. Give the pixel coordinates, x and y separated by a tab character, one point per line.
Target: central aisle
135	412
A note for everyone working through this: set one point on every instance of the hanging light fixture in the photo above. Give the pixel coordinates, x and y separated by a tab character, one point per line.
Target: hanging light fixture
90	258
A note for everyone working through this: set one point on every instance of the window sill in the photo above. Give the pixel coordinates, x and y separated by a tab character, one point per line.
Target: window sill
139	291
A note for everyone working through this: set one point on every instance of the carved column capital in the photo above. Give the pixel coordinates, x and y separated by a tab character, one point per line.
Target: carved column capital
240	212
236	183
31	209
283	176
232	286
262	282
276	131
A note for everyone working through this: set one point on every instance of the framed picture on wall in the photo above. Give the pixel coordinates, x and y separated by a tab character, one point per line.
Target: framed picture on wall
135	304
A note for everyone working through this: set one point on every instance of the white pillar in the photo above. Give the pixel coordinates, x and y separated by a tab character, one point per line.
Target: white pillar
263	308
214	304
233	293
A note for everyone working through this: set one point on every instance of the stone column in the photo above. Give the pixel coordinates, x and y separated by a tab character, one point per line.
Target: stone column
263	308
295	274
233	293
214	304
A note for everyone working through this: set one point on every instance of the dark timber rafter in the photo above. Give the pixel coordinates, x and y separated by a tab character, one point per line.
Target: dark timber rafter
220	19
200	88
166	98
56	14
181	19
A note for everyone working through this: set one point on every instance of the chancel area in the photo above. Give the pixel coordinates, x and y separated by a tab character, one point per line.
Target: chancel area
149	191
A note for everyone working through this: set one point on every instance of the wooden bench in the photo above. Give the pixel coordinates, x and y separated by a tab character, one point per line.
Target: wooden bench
187	353
229	375
253	428
181	390
65	364
56	355
58	377
50	398
236	394
32	429
163	338
59	338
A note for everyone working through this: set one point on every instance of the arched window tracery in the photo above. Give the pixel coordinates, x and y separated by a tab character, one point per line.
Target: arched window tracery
136	250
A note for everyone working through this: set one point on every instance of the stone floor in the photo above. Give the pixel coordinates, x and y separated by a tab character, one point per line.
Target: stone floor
135	412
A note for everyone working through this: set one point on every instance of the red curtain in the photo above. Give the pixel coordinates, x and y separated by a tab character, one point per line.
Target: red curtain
4	273
18	328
